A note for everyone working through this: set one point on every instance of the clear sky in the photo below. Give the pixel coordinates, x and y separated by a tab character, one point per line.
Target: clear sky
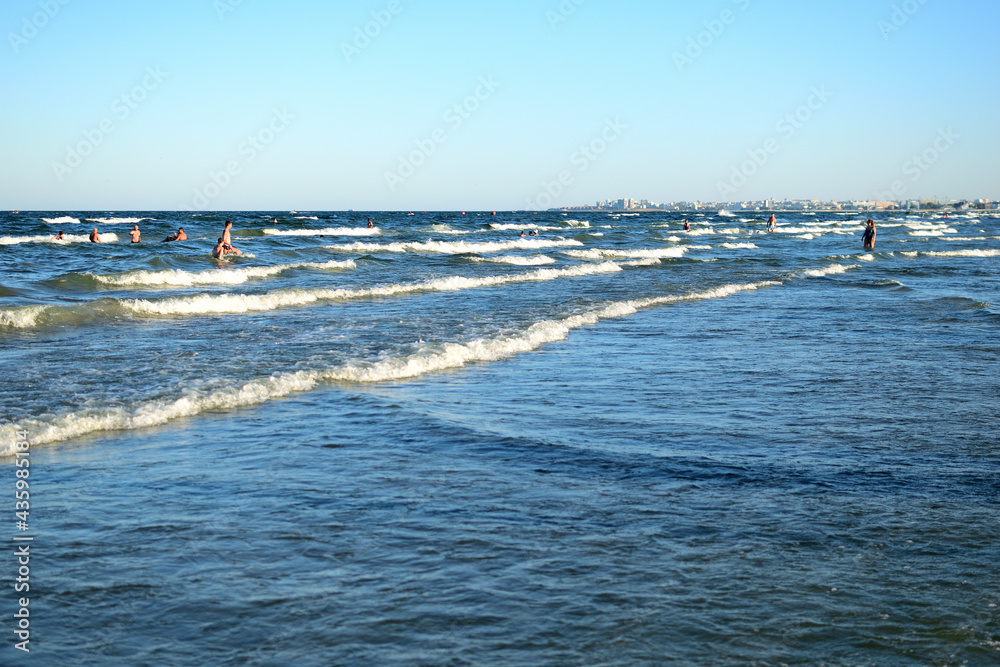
259	104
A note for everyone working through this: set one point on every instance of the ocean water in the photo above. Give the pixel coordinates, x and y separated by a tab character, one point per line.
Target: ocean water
439	443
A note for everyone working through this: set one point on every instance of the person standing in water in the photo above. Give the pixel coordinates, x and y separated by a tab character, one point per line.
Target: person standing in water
135	234
869	236
95	237
772	223
227	241
371	225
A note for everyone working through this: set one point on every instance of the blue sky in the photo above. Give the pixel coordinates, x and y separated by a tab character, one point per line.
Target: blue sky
258	104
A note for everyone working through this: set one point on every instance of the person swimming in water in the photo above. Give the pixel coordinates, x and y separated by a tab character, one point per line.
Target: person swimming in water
95	237
179	236
219	251
135	234
869	236
61	236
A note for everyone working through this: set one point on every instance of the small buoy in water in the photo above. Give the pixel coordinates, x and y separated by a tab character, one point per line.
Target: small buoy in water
494	212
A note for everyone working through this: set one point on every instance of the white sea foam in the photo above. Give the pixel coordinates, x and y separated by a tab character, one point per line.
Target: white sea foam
957	253
796	230
68	238
448	229
636	253
65	220
967	238
699	232
179	278
536	260
513	227
651	261
457	247
865	258
331	231
934	232
730	231
807	237
428	359
21	317
205	304
726	214
306	217
698	247
578	223
739	246
833	270
117	221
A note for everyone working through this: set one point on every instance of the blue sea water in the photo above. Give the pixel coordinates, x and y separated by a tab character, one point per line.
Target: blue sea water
439	443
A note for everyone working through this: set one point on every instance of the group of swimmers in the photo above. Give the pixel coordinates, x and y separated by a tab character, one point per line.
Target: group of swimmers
534	232
225	246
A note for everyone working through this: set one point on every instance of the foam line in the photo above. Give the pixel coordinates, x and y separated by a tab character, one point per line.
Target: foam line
429	359
457	247
332	231
638	253
26	317
47	238
179	278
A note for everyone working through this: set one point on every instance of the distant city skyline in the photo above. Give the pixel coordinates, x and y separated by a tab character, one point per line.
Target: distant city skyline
397	105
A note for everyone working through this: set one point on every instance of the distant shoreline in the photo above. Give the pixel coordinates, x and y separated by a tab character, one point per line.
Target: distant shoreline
736	212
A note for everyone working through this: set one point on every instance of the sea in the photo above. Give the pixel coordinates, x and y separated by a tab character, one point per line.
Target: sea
445	440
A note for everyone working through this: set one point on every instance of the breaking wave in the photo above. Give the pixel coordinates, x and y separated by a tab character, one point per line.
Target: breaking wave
430	358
